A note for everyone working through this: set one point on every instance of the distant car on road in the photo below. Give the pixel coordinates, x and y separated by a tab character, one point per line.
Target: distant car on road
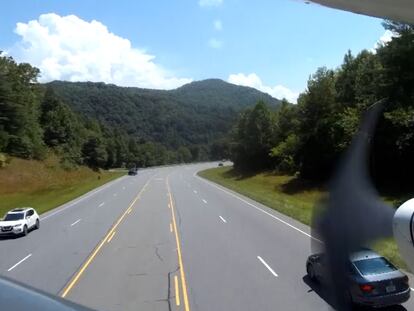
220	164
19	221
373	280
133	172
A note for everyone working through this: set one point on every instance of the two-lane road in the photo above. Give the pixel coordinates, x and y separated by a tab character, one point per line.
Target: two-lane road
167	240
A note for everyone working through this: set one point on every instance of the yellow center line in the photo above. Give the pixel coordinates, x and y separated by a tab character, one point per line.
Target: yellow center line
180	260
177	291
76	277
111	236
129	210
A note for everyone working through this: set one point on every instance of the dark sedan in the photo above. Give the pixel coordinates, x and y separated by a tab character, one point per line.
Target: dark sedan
133	172
373	280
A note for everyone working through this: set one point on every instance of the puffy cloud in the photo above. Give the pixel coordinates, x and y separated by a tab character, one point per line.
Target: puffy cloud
253	80
218	25
210	3
384	39
69	48
215	43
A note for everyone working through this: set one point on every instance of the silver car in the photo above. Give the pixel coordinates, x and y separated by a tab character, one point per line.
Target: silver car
373	280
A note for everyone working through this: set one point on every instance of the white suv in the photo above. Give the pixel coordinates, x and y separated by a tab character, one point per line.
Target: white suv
19	221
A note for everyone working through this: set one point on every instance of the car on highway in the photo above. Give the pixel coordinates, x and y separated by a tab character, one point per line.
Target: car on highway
220	164
19	221
133	171
373	280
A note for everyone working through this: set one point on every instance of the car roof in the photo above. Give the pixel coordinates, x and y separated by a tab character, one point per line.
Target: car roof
19	210
364	254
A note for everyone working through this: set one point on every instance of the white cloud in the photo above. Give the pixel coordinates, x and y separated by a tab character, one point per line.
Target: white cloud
210	3
253	80
215	43
69	48
218	25
383	40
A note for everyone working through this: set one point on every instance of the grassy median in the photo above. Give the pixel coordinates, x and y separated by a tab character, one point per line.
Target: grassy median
45	185
288	195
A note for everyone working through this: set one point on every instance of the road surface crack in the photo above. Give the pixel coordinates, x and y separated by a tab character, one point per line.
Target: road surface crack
158	254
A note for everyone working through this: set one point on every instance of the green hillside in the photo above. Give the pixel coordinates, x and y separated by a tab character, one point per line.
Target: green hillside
198	113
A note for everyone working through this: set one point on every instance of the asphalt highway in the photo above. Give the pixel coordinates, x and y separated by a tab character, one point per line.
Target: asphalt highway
167	239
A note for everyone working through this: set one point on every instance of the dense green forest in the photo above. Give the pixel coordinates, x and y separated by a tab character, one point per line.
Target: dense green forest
199	113
106	126
308	138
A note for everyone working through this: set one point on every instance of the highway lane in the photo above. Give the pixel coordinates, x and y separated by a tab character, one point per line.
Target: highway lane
183	244
67	235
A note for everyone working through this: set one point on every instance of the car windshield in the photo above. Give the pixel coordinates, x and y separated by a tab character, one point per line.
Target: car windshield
374	266
13	216
250	123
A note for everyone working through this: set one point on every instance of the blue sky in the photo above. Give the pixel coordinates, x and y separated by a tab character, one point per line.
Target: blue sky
273	45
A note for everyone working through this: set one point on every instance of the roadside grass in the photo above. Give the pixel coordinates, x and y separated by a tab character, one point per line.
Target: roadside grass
288	195
45	185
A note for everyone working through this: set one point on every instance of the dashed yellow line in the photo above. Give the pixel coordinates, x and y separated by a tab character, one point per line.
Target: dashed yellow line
111	236
76	277
177	291
180	259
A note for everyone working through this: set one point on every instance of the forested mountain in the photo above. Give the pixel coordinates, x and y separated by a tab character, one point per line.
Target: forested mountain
218	93
198	113
107	126
308	138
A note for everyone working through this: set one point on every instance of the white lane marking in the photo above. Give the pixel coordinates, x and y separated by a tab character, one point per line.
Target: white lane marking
223	220
260	210
205	201
82	198
102	204
75	222
412	289
267	266
195	191
11	268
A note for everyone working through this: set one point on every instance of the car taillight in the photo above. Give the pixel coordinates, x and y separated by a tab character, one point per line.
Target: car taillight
366	288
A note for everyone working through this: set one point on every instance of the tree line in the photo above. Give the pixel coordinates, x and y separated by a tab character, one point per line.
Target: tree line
34	121
307	138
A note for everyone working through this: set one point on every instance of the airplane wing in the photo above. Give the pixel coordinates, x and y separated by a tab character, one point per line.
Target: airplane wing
397	10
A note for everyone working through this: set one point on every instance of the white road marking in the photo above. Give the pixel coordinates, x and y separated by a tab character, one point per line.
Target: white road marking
159	178
267	266
412	289
259	209
223	220
11	268
102	204
75	222
204	201
82	198
195	191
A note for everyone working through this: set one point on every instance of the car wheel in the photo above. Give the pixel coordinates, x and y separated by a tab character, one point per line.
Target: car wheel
37	225
311	272
25	230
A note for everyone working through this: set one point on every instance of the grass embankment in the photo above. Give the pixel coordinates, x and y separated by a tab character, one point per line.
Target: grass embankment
288	195
45	185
